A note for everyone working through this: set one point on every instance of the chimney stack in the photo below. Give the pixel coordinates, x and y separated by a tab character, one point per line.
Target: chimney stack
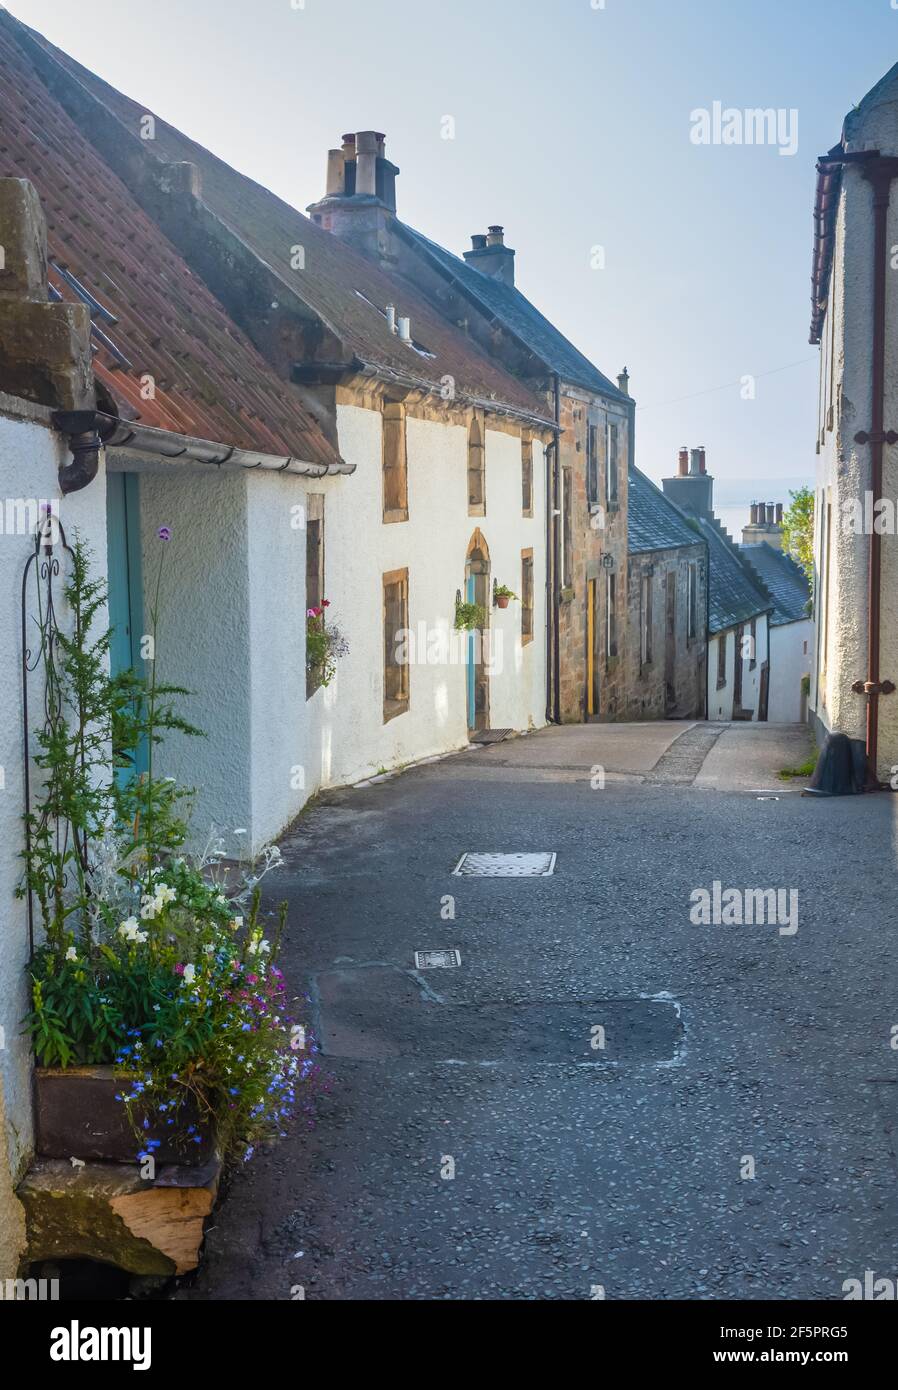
765	525
360	200
491	256
693	487
366	164
623	382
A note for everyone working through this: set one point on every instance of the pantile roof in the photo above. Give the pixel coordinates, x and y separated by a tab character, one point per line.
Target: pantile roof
346	290
153	317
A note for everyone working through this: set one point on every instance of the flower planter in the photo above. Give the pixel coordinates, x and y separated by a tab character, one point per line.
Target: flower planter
503	602
77	1116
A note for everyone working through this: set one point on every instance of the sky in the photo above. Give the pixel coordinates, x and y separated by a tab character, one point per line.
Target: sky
572	124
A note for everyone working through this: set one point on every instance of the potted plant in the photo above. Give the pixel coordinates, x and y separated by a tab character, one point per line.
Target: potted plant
503	596
469	617
159	1017
325	645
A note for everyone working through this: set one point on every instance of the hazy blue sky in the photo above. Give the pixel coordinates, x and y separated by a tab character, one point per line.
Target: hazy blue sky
573	130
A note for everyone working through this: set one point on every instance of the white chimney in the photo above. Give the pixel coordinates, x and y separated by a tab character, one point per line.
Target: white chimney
405	329
391	317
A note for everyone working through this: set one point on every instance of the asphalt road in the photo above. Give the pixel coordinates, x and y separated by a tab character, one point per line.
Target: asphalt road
734	1138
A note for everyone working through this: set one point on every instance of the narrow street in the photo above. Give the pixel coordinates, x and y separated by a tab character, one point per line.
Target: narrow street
734	1137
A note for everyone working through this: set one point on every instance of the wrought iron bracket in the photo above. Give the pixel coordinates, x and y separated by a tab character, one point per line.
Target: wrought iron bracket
880	437
874	688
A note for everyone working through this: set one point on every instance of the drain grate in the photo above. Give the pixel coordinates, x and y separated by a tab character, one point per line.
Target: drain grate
491	736
437	960
505	865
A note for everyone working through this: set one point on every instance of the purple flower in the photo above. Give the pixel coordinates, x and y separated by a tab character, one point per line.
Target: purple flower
164	533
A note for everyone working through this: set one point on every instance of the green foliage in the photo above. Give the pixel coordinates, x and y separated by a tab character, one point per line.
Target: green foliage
501	591
469	617
798	530
146	964
325	645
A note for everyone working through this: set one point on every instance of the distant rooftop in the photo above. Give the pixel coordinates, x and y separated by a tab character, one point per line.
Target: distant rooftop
784	579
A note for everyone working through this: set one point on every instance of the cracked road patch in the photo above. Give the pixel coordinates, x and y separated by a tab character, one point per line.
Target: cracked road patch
685	758
379	1012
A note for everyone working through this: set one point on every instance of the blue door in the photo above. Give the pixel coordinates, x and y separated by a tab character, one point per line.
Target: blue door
471	664
125	580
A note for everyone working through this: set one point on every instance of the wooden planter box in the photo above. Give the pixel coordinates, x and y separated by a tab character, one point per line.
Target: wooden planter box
77	1116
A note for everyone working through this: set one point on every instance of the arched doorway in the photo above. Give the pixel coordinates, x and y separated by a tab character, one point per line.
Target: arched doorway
477	590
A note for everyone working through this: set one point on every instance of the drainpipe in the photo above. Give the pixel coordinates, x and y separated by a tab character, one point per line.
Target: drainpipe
80	429
879	170
556	552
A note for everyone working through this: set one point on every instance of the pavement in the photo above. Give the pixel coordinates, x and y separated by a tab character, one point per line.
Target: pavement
605	1098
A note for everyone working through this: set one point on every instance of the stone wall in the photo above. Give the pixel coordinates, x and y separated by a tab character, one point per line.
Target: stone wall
593	537
644	688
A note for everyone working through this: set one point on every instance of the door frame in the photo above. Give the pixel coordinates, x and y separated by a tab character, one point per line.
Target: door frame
477	676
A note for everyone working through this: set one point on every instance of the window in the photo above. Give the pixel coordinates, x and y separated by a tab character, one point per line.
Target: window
721	661
314	567
476	467
395	463
396	671
646	620
692	604
610	615
611	464
753	654
526	596
567	505
527	475
592	466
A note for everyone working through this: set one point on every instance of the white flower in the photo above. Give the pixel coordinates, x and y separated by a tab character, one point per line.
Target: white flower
148	908
165	894
71	954
140	937
221	899
236	923
131	924
189	974
210	950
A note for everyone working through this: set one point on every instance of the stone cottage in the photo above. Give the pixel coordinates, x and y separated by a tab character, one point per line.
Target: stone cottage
446	449
667	611
586	485
739	606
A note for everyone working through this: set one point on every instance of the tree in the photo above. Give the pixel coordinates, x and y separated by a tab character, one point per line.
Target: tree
798	530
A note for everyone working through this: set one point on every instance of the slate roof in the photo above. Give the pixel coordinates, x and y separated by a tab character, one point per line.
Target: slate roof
520	317
653	521
735	593
784	579
210	382
345	289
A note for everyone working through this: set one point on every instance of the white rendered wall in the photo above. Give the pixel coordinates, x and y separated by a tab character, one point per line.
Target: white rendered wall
720	702
204	639
789	664
30	454
844	467
348	739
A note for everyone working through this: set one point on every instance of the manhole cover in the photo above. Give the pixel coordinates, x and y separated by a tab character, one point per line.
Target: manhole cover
505	865
437	960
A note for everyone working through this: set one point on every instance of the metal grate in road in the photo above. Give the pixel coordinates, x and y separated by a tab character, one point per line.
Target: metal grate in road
505	866
437	960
